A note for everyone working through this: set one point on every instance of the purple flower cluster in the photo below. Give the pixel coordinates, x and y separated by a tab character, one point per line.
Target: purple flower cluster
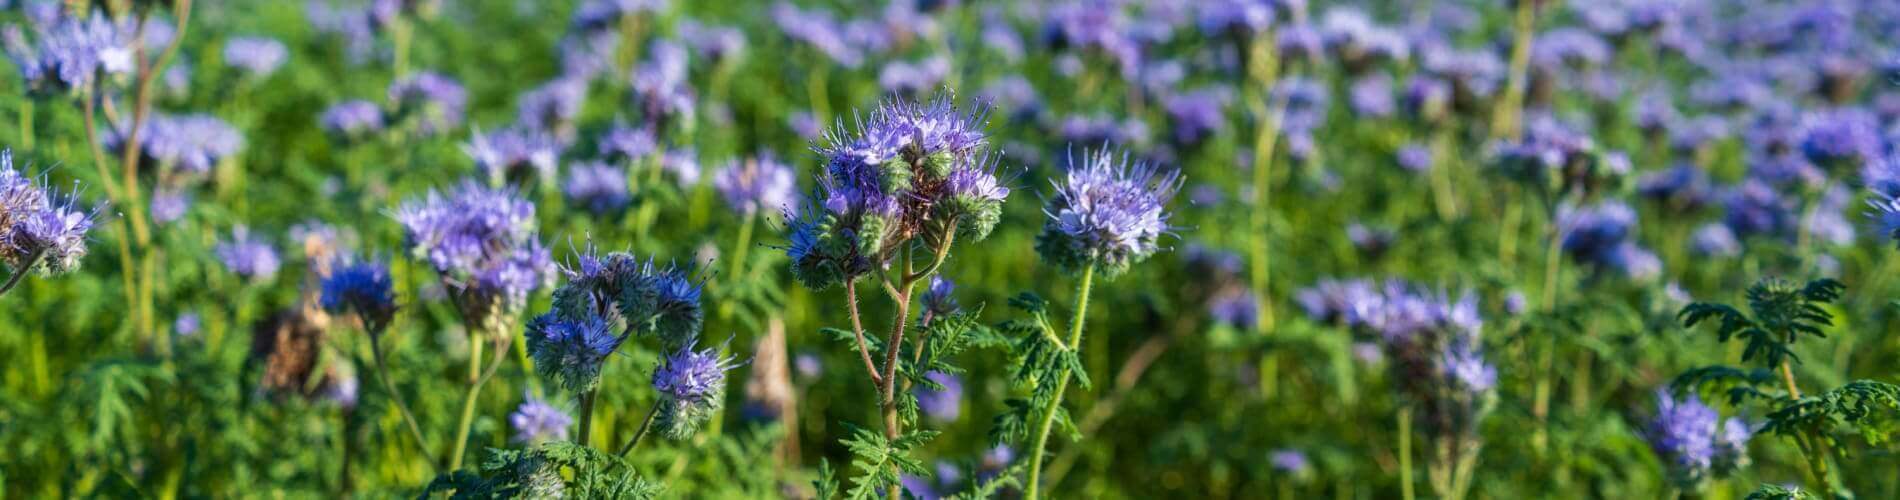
598	187
362	288
1693	442
352	119
941	405
571	351
756	183
1603	235
247	256
1108	212
537	421
192	143
692	387
71	52
258	57
430	102
911	170
515	154
40	230
482	243
660	89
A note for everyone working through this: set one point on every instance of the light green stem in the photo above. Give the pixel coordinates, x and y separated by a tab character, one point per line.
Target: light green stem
1405	452
587	416
1062	384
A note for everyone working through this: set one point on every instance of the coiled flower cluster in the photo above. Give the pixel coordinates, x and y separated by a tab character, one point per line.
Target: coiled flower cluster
1693	442
482	243
1433	343
1109	212
692	387
360	287
605	294
40	231
911	172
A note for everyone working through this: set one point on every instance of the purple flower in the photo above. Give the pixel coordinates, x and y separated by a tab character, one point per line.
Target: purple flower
1237	18
1371	96
625	143
193	143
599	187
353	119
683	163
553	105
593	15
1568	47
1107	211
660	89
808	365
940	299
187	324
433	102
819	31
571	351
1415	157
515	154
692	389
943	405
1197	114
1465	366
755	183
71	51
482	243
1336	300
257	56
1714	240
1290	461
362	288
1692	442
1238	308
537	421
248	257
39	230
713	43
1756	208
1845	136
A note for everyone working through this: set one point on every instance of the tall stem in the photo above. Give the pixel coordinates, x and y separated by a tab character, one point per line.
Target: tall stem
1405	452
587	416
477	378
20	273
402	405
1062	383
739	250
892	346
1540	397
26	124
1265	68
1504	123
857	330
642	433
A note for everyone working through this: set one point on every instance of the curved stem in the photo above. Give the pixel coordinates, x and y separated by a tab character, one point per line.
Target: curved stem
857	329
477	378
1062	384
382	372
1264	65
20	273
642	433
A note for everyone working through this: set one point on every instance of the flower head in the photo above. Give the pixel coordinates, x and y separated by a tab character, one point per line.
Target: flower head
433	103
247	256
754	184
940	299
257	56
40	230
481	242
664	301
570	351
1108	212
692	387
598	187
72	50
360	287
1693	443
193	143
537	421
942	403
515	154
352	119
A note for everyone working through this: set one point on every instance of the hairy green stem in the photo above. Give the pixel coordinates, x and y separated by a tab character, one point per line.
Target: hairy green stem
20	273
477	378
1265	68
587	416
1062	383
402	405
641	434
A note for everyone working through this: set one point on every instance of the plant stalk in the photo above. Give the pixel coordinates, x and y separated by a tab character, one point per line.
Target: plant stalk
1062	383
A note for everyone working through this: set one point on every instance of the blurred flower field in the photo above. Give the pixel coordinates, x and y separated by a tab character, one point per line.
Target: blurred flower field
950	249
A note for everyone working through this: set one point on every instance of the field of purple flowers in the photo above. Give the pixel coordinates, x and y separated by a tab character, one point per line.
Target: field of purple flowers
929	249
